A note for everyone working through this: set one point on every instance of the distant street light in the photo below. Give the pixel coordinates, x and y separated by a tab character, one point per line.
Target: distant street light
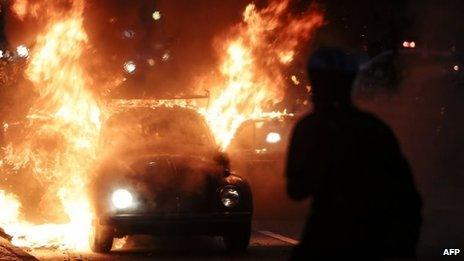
407	44
156	15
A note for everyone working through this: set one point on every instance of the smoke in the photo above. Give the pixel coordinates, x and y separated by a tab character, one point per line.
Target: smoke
169	52
158	154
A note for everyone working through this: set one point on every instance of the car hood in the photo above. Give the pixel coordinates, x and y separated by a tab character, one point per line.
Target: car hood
165	183
161	170
173	165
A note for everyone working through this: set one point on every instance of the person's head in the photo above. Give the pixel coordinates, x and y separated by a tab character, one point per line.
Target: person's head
332	72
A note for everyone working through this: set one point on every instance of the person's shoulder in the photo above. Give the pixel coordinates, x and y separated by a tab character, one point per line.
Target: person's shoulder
369	117
373	122
308	120
306	123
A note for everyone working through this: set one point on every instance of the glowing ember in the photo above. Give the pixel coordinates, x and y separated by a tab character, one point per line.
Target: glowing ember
252	65
295	80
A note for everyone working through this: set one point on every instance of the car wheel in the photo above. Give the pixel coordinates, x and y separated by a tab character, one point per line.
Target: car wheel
101	238
238	241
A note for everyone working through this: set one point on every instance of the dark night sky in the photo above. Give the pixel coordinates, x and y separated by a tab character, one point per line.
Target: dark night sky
431	23
351	22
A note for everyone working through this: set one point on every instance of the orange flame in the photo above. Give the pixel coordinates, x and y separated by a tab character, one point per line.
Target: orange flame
64	124
19	7
262	45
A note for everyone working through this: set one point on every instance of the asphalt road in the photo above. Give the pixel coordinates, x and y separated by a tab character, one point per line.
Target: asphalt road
271	240
276	229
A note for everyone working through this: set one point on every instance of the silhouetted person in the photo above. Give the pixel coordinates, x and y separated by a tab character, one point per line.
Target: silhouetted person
365	204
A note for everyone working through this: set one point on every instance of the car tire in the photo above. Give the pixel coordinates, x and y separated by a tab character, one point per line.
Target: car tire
238	241
101	238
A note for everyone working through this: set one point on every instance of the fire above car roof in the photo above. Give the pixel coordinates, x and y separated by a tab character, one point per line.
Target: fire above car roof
191	101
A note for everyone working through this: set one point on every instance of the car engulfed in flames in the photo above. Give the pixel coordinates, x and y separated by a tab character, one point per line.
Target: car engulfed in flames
161	173
51	151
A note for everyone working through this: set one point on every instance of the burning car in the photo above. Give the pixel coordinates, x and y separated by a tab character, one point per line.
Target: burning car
161	173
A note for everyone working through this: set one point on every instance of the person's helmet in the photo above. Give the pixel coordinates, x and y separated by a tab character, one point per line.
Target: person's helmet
332	72
331	59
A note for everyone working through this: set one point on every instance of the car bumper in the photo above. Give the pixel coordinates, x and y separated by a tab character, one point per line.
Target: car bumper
177	224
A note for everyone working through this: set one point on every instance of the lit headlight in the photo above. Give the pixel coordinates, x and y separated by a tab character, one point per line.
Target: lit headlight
230	197
273	137
122	199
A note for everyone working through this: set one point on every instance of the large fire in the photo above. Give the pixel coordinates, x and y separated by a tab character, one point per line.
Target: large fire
253	60
63	124
62	134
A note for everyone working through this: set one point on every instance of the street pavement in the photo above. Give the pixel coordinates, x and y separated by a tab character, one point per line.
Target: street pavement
267	243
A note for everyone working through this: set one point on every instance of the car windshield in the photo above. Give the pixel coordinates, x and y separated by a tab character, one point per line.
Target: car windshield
156	129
